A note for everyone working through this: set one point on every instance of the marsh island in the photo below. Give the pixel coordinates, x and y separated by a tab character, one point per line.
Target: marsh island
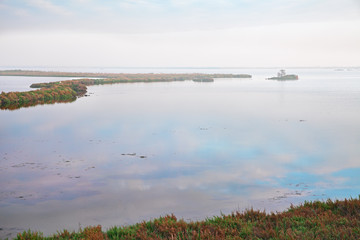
282	76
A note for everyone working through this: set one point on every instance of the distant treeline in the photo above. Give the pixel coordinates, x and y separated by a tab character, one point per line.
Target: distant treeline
69	90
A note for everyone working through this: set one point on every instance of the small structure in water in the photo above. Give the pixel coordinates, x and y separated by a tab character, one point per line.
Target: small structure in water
283	76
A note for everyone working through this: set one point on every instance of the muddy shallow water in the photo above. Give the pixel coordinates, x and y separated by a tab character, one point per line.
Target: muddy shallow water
132	152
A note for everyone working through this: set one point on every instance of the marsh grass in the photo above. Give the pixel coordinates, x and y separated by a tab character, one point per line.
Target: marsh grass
311	220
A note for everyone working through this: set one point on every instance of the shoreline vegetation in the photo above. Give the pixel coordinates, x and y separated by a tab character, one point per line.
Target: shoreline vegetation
310	220
285	77
70	90
282	76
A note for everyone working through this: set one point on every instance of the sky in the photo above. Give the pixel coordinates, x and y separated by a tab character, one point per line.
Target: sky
180	33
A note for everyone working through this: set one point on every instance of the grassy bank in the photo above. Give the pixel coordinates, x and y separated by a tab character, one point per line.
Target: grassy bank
66	91
311	220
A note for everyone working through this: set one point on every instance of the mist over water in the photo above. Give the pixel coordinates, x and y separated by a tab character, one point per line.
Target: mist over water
132	152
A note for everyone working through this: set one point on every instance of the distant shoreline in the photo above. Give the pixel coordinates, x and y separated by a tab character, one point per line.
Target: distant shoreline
36	73
5	68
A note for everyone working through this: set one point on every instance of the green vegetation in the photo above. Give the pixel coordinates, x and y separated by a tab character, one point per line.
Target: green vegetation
282	76
56	93
67	91
311	220
285	77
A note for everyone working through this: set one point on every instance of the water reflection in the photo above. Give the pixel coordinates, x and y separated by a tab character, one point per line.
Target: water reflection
22	84
131	152
16	106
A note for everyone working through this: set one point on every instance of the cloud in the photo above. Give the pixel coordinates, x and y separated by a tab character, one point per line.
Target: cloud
150	33
17	11
49	7
328	44
138	16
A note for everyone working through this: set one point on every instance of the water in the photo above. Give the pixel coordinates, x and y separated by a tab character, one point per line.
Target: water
132	152
22	84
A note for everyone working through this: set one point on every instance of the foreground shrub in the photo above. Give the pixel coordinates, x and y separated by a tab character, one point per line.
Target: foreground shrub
311	220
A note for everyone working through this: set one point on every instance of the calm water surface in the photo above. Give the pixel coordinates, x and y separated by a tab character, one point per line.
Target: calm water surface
132	152
22	84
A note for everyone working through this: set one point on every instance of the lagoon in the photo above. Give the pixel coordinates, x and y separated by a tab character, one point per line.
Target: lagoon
135	151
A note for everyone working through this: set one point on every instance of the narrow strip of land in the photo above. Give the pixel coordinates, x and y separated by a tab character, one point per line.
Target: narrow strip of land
70	90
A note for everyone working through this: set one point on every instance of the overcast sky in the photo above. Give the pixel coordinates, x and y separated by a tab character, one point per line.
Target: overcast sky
180	33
